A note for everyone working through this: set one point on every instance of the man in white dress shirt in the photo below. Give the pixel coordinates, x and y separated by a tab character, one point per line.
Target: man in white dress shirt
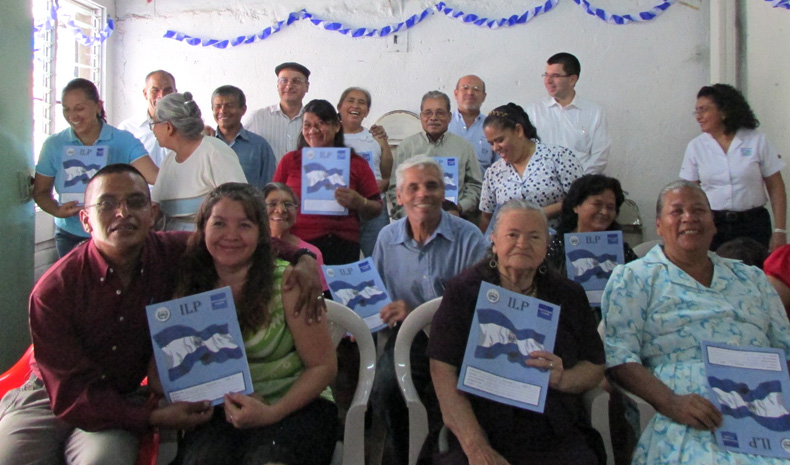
281	123
565	119
157	84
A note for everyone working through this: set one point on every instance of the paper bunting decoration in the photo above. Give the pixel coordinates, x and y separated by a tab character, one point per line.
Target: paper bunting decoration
624	19
52	19
441	7
780	4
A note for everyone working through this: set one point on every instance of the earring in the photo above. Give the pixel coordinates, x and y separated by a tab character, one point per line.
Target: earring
493	263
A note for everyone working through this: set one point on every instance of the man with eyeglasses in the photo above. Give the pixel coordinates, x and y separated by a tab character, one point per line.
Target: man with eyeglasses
157	84
467	121
90	333
281	123
565	119
435	141
228	104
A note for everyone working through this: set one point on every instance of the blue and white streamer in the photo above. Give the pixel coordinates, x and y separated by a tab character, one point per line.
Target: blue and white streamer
52	20
413	20
610	18
780	4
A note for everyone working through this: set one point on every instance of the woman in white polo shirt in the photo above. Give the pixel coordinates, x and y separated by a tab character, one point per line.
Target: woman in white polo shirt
736	165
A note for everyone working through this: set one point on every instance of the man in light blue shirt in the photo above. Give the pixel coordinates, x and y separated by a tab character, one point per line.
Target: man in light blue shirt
228	104
467	121
415	257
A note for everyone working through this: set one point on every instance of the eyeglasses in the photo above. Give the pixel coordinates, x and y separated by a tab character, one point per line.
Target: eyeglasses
552	77
133	202
293	81
151	124
288	205
319	125
700	110
441	114
467	87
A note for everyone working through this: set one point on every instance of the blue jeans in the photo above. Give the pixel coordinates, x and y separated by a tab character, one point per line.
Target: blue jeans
369	231
65	241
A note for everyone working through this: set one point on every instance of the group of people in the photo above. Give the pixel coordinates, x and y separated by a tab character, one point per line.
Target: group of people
224	211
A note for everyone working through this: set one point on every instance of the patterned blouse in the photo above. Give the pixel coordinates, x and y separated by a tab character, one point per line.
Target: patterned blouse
547	178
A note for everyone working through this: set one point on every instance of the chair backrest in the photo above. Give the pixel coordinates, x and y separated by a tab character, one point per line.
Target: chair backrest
17	374
342	320
642	249
418	320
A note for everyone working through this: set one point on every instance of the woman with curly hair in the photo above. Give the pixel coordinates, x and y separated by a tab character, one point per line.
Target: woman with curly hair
291	362
736	165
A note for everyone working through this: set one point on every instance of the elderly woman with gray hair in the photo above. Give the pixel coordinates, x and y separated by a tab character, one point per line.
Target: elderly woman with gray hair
195	164
484	431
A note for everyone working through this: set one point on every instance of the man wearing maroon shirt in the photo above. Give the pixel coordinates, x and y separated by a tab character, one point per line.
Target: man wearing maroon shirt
90	336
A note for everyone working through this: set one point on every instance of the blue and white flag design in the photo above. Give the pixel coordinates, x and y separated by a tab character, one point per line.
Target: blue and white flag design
764	404
498	336
364	293
78	172
449	182
184	346
587	265
318	177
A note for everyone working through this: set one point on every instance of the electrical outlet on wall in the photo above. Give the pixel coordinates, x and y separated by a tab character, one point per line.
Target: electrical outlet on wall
398	42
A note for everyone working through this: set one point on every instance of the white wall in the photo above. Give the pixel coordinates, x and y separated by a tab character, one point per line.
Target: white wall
646	75
765	70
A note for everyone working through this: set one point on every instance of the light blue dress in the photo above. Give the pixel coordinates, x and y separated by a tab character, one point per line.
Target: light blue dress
657	315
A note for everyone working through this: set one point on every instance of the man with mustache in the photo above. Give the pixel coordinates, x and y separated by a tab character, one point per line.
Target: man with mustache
90	335
435	141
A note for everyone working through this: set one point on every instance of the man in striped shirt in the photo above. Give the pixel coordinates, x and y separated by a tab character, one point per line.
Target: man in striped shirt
281	123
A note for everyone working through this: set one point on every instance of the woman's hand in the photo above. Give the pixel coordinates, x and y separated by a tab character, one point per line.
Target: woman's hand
693	410
548	361
349	198
67	209
248	412
379	133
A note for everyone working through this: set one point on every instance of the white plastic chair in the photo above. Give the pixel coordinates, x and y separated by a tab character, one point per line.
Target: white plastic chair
642	249
342	320
418	320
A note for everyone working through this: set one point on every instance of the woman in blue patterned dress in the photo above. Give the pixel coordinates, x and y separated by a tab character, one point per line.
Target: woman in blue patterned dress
658	309
527	169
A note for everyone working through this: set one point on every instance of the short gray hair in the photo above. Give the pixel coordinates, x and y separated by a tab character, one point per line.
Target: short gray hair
421	161
435	94
523	205
182	112
674	185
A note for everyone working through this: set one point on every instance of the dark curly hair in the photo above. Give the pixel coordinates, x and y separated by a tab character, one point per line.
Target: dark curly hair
510	115
585	186
326	113
730	101
197	268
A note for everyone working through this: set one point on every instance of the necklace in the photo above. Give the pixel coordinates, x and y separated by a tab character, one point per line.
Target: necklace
530	290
